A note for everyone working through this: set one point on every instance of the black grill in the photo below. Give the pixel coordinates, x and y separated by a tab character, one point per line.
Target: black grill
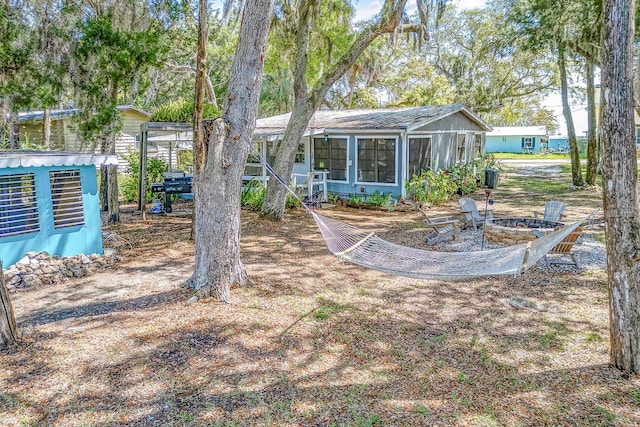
174	183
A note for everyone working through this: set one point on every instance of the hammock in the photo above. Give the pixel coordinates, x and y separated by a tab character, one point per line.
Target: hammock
368	250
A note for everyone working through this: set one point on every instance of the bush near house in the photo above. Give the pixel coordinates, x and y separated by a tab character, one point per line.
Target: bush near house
130	182
437	186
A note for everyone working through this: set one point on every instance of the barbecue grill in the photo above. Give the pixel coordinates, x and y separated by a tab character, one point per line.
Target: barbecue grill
174	183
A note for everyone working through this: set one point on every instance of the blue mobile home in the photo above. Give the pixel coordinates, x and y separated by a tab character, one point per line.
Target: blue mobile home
49	202
518	139
364	151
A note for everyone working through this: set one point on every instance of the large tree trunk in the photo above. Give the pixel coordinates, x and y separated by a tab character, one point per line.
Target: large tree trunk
112	188
201	63
8	327
14	131
46	128
592	139
307	101
620	175
576	171
221	159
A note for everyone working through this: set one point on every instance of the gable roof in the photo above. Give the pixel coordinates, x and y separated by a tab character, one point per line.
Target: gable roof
380	119
38	115
518	131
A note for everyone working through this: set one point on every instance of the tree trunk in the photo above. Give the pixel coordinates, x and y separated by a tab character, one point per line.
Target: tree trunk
103	191
46	128
592	138
112	189
576	171
307	101
14	131
8	327
222	157
201	63
4	124
620	178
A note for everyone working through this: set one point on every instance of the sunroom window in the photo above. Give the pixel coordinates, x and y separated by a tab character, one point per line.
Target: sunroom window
377	160
331	154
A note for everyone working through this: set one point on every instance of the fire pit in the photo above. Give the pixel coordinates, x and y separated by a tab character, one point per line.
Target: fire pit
512	231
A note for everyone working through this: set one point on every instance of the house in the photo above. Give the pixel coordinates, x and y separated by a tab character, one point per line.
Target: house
364	151
49	202
518	139
64	134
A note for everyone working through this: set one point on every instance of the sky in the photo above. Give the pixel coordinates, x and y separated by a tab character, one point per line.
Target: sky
365	9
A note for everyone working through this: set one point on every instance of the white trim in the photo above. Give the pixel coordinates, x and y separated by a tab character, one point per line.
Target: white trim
385	184
25	159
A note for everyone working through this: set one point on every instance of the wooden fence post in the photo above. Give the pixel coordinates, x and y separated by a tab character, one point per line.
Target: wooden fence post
8	326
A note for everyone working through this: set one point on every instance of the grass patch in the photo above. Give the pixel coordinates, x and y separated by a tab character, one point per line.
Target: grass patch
534	156
327	308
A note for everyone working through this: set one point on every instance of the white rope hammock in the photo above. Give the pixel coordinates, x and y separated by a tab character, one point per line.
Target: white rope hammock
367	250
364	248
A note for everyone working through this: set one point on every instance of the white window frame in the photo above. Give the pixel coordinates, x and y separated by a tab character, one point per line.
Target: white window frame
384	184
528	142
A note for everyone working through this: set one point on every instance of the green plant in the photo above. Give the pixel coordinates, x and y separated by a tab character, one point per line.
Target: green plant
185	160
333	198
378	199
252	195
181	111
129	185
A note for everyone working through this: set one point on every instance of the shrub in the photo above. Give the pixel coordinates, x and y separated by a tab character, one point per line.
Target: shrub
181	111
252	196
130	182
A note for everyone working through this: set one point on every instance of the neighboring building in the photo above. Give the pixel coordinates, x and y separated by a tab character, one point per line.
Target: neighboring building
518	139
64	134
49	202
363	151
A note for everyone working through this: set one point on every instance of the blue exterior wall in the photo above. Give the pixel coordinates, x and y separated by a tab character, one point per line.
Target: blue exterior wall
510	144
66	241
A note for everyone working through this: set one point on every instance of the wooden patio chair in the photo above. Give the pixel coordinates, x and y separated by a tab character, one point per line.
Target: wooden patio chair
553	211
472	216
561	253
442	228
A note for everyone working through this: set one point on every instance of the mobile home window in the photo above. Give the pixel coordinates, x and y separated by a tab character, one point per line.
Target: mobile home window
331	154
377	160
18	205
527	143
66	198
462	148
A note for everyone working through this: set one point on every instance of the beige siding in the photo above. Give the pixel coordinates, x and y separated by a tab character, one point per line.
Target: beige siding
32	133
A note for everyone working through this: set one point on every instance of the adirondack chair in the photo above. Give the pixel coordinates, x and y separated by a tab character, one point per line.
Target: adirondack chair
442	228
472	216
561	253
553	211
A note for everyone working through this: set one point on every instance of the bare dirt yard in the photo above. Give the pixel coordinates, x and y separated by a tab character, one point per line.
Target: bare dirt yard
314	341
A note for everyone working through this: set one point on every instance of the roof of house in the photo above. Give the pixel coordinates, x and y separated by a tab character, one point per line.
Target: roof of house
38	115
518	131
15	159
381	119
